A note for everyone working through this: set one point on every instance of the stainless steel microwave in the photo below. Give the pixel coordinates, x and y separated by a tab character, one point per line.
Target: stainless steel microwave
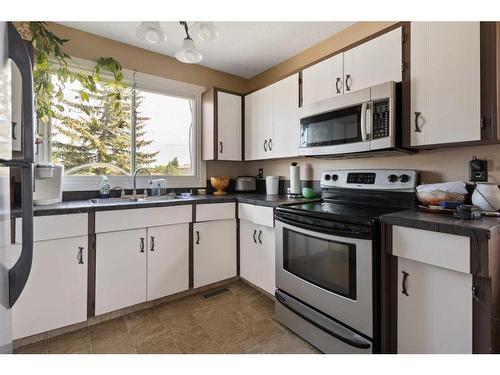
359	121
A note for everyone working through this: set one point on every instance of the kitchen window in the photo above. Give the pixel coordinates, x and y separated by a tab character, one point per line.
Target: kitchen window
156	127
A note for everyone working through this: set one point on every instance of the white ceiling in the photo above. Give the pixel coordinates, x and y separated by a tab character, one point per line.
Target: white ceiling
243	48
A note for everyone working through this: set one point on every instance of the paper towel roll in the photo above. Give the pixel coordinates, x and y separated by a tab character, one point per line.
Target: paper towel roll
295	179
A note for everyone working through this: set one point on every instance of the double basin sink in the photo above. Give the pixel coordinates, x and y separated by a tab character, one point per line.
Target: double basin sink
128	199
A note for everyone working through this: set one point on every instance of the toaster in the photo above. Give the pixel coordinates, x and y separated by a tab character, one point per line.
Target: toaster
246	184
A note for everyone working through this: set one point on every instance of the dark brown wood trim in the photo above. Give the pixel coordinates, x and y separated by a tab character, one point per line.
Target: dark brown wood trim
242	127
91	265
479	256
488	37
238	236
405	124
12	230
481	316
388	295
301	90
191	256
350	46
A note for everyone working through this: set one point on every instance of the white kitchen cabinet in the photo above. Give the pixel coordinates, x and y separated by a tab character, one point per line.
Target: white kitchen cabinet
377	61
214	251
222	113
285	139
436	314
56	292
120	269
167	260
445	82
257	255
271	120
323	80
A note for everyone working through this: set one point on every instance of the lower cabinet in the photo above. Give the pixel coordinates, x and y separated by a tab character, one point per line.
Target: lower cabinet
257	255
434	309
134	266
56	292
214	251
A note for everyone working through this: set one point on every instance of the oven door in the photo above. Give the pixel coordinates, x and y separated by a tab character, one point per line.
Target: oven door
330	272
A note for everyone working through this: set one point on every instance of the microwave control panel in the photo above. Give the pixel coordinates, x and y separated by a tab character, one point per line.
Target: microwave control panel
380	121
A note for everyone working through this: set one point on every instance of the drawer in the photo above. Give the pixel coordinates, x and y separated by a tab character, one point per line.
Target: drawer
215	211
256	214
438	249
55	226
108	221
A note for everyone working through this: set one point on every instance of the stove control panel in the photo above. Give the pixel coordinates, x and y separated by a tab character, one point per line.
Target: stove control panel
379	179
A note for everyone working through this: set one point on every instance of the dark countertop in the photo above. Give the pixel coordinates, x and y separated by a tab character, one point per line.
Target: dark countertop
484	228
71	207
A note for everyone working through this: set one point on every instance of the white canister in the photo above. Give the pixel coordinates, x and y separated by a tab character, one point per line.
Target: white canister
272	185
486	196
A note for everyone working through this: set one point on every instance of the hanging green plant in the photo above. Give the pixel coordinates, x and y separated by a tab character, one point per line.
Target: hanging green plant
51	59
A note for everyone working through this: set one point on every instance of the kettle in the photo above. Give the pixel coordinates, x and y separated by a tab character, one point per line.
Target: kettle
486	196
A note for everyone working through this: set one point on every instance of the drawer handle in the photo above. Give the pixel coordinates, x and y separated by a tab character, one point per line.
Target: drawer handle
337	84
403	283
348	80
417	127
254	233
265	145
197	237
260	237
80	255
141	246
152	244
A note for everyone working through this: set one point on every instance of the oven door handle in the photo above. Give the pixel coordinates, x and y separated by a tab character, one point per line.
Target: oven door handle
339	232
323	322
364	106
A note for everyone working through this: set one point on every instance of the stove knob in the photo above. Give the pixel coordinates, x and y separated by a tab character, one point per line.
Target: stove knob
392	178
335	177
404	178
327	177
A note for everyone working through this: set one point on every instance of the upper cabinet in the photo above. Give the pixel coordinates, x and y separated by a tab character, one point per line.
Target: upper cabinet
221	125
271	120
376	61
445	82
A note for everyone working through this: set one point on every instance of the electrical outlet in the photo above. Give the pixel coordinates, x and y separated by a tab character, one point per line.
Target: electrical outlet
261	173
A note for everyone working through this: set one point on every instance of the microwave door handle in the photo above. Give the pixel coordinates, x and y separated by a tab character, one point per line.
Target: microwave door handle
363	121
368	121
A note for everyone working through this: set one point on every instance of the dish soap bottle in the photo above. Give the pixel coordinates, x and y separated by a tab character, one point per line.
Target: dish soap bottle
104	187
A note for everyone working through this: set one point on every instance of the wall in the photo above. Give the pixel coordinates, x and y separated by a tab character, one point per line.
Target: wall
90	46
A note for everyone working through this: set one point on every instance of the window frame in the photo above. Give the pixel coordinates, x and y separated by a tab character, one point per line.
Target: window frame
156	84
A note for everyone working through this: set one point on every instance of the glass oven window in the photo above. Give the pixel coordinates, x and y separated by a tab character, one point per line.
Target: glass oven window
331	128
330	265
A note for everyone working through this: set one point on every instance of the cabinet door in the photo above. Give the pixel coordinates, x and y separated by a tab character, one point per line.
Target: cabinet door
229	126
257	254
285	139
323	80
120	269
445	82
56	293
168	260
214	251
436	315
376	61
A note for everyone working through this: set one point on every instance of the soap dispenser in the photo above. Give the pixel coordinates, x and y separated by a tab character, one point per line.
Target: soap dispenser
104	187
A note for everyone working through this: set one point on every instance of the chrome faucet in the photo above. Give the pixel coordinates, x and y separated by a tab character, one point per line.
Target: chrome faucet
135	175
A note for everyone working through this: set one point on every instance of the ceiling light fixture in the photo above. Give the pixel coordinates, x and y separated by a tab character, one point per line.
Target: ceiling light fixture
151	32
188	53
205	31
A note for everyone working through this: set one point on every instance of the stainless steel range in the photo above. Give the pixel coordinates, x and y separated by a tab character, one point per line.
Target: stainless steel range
328	258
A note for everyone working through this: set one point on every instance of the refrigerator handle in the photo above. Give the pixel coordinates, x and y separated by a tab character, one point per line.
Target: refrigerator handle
19	273
19	54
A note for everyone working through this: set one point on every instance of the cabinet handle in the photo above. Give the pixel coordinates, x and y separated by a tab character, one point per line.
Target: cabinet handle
197	237
14	124
152	244
348	80
80	255
260	235
337	84
265	145
254	233
270	144
403	283
221	147
141	246
417	128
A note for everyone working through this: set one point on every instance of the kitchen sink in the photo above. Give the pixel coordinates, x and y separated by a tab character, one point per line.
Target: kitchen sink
136	199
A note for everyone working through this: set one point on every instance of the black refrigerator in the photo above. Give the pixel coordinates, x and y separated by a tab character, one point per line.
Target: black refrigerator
13	277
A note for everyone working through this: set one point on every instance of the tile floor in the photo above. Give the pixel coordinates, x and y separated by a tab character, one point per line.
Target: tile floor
241	321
